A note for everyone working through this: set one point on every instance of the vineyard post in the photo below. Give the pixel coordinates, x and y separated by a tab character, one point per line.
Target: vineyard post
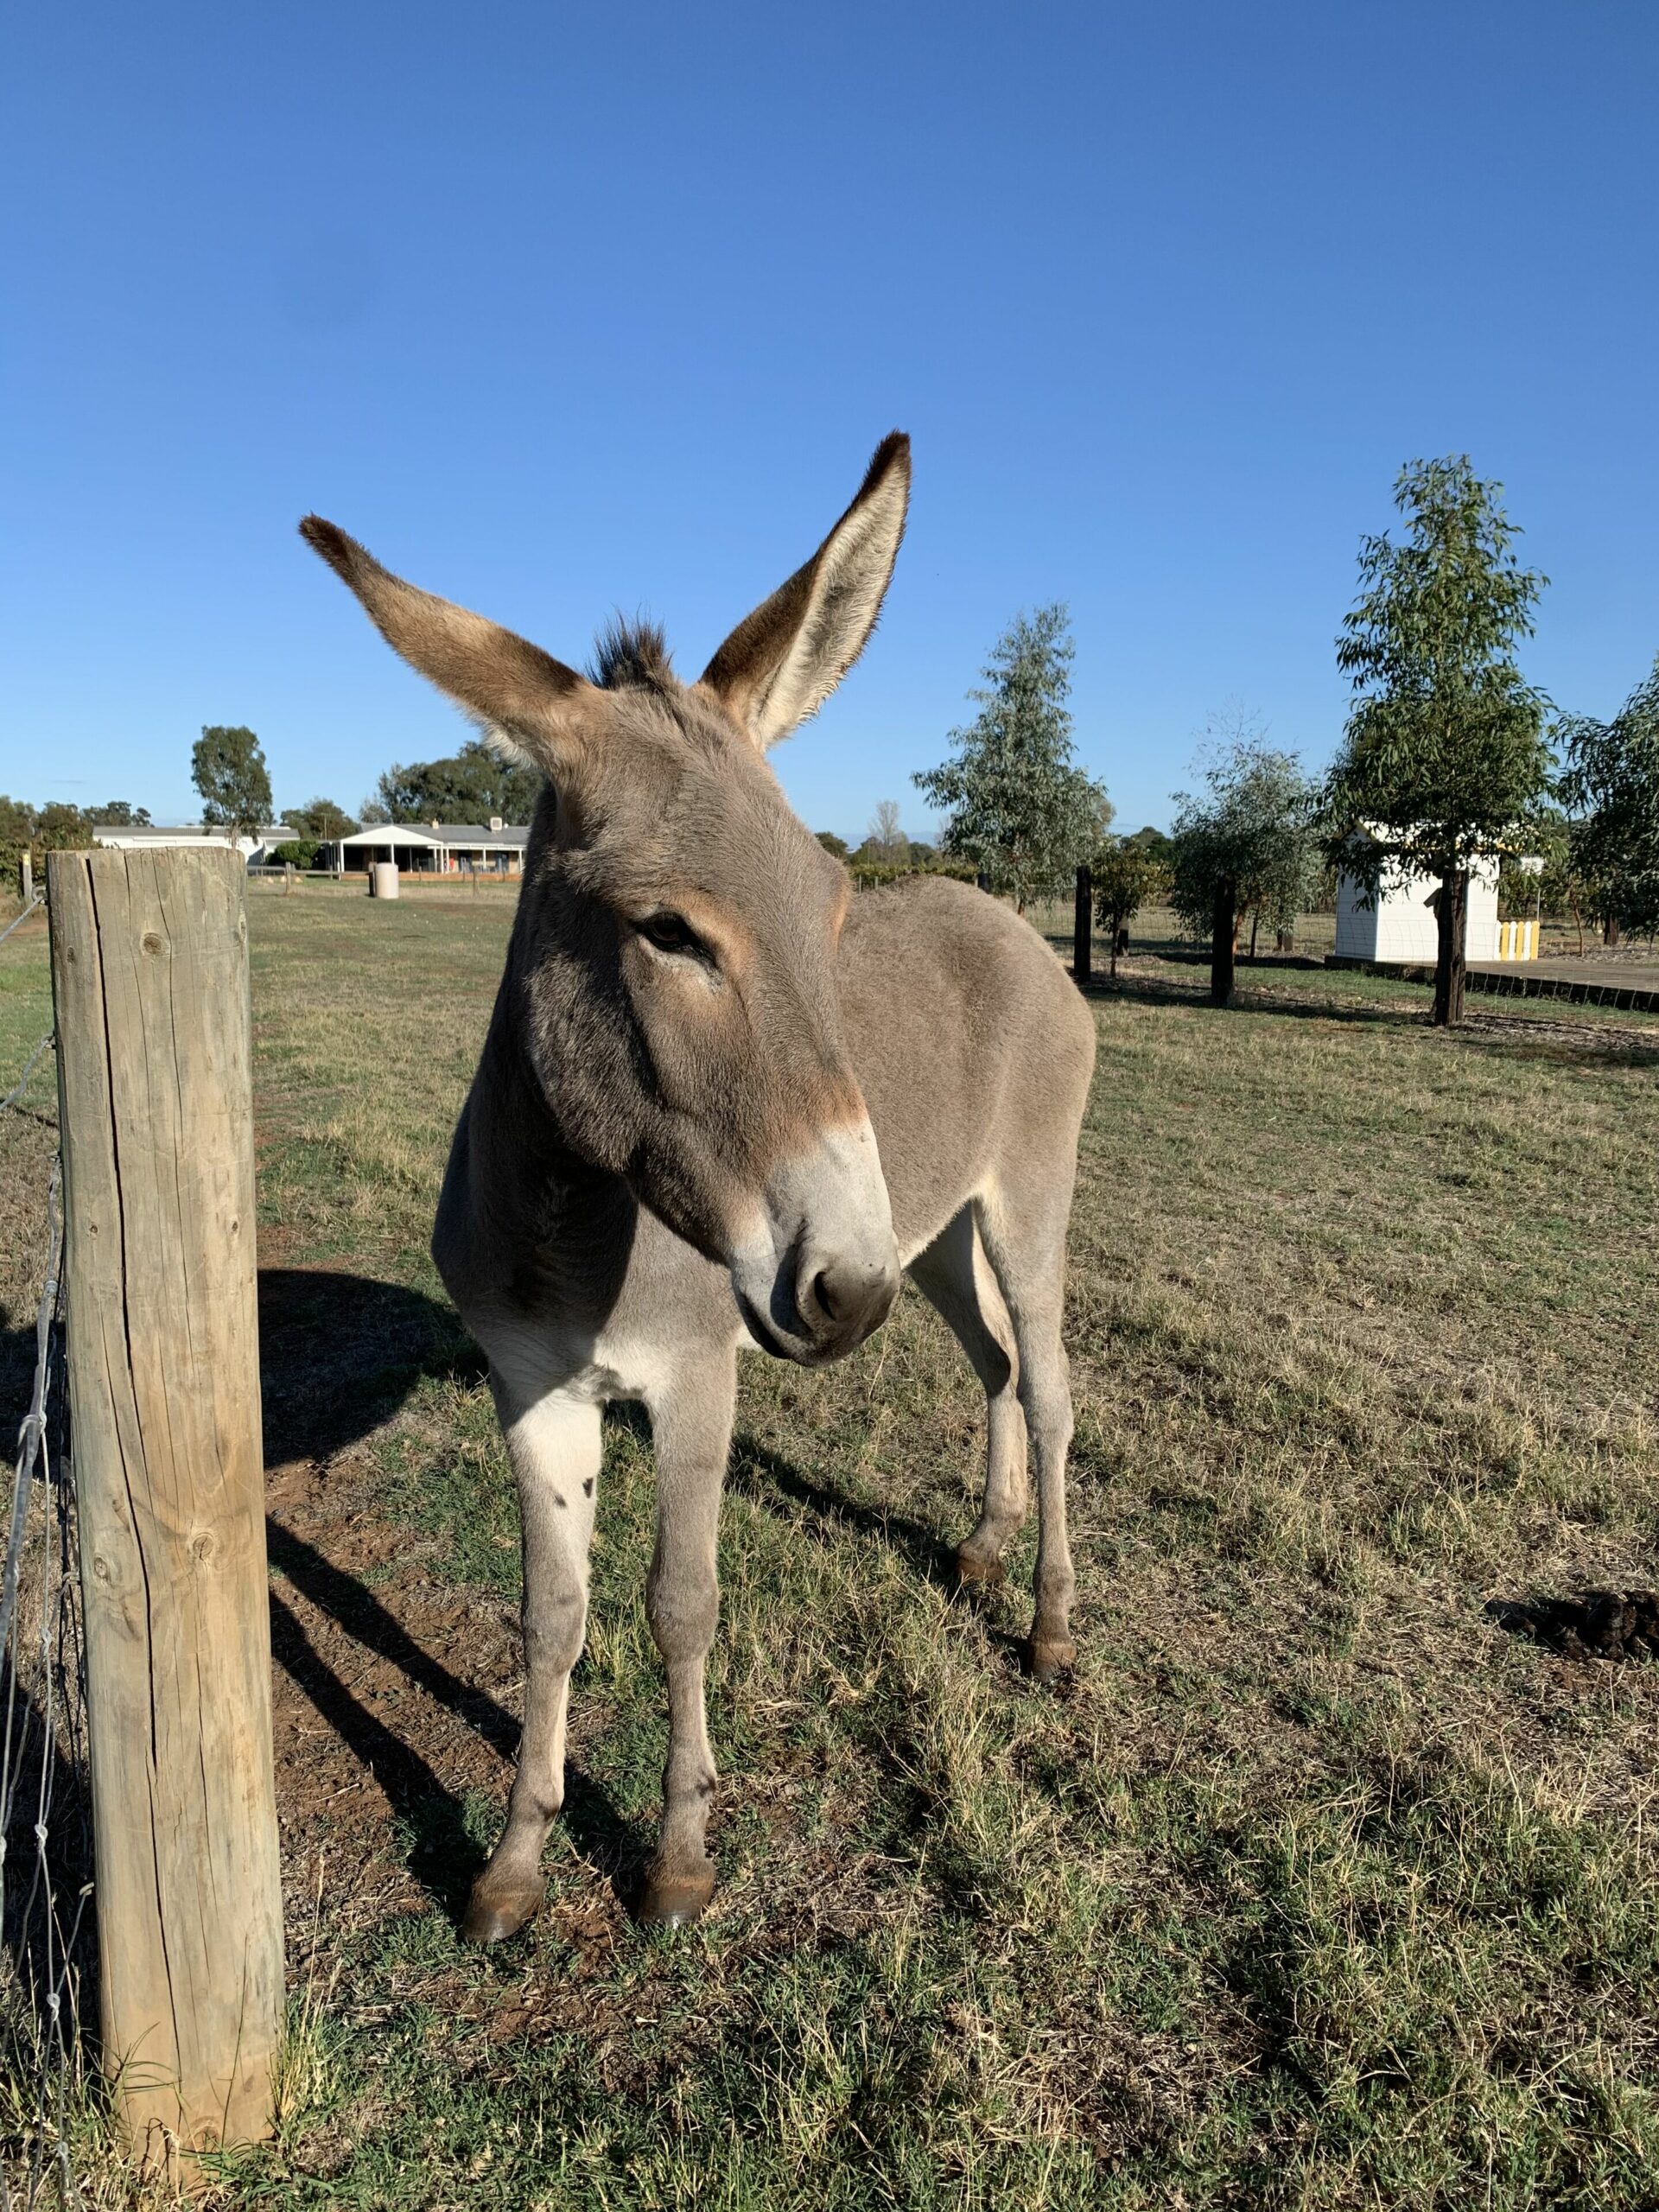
1082	926
150	971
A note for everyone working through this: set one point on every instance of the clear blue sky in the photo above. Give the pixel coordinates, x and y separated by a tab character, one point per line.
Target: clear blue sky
565	309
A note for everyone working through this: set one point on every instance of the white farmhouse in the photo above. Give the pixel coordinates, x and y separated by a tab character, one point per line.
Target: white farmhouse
1401	925
492	848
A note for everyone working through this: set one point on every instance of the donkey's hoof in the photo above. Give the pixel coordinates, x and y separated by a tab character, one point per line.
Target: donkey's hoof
675	1900
493	1914
976	1571
1048	1658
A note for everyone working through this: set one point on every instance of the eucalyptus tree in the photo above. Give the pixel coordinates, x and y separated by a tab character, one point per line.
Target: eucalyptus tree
1249	844
1443	760
884	840
1019	806
470	785
1610	785
320	819
227	766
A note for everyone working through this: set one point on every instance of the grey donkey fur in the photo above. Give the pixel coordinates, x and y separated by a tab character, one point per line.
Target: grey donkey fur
721	1104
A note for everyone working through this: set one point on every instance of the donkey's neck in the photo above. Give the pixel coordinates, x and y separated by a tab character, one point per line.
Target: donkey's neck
568	1225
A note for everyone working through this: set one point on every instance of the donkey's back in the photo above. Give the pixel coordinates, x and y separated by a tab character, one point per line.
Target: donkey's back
973	1047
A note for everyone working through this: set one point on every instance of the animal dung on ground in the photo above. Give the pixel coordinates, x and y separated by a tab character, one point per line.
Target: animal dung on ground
1602	1624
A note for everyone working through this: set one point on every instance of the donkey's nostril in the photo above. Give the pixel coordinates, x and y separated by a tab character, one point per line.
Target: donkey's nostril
824	1298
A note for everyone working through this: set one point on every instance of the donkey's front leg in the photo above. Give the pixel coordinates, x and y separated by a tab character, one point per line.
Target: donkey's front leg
691	1428
554	1445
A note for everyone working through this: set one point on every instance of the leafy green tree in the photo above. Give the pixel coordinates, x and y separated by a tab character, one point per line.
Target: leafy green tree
1248	846
1020	809
1443	759
470	785
1127	875
319	820
1610	784
58	828
227	765
120	814
831	843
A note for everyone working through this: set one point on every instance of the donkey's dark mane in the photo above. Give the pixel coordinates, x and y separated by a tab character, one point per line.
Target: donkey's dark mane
631	655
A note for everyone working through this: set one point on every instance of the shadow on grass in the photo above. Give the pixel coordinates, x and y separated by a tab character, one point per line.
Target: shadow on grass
444	1856
1553	1031
767	1479
1249	998
339	1354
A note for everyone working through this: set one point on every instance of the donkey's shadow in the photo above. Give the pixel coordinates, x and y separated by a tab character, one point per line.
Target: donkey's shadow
340	1355
769	1480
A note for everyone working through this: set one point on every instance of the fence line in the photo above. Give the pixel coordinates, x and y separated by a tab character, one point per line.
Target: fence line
17	920
18	1089
42	1764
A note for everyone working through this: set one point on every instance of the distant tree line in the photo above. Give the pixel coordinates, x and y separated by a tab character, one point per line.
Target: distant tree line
1449	757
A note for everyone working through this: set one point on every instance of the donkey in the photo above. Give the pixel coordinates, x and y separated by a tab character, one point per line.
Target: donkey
721	1103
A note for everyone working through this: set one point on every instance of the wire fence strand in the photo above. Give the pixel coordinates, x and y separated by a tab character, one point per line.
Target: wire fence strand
45	1829
14	1096
17	920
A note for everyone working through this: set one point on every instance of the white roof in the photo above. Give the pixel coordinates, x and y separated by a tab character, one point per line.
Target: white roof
388	833
442	835
186	833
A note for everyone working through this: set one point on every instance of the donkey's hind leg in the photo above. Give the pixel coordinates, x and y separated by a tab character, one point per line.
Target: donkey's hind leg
1026	1244
691	1432
553	1443
955	1277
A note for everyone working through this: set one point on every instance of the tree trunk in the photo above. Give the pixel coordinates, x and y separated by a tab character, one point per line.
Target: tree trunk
1255	924
1118	932
1224	927
1609	929
1451	911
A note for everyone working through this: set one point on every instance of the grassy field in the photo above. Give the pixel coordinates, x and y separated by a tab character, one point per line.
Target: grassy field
1312	1888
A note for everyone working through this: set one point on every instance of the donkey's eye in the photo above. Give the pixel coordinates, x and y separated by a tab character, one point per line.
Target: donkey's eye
672	933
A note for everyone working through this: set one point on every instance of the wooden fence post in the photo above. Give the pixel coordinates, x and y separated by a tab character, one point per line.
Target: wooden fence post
1083	926
149	973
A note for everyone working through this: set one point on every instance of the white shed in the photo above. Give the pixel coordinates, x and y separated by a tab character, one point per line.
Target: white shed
148	836
1401	923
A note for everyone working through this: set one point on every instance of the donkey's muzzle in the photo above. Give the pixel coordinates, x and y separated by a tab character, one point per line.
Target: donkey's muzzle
839	1301
820	1309
822	1271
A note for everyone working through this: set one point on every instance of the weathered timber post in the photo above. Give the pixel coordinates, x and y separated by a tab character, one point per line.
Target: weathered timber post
1224	944
149	976
27	876
1082	926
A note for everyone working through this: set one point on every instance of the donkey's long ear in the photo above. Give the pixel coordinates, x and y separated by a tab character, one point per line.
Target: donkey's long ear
529	702
780	664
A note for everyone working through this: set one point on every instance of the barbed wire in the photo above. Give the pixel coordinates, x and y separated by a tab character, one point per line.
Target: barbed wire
45	1833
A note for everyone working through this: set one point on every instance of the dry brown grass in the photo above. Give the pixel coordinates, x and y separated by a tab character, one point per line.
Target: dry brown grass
1312	1889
